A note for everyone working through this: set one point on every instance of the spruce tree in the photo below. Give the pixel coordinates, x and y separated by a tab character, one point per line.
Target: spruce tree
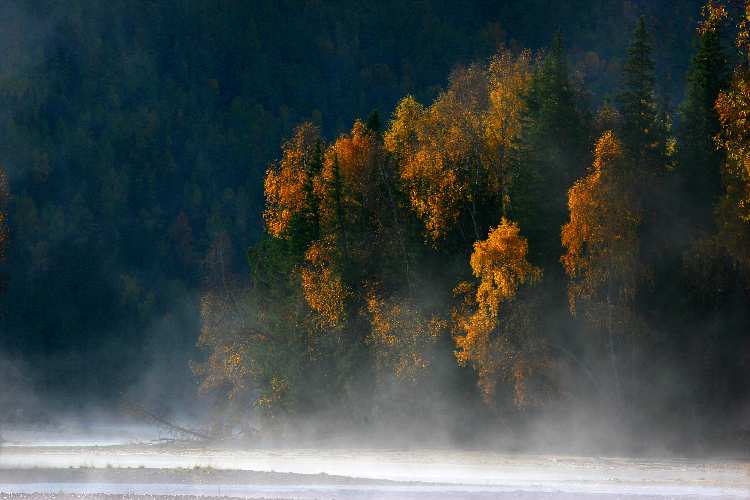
373	121
699	159
552	154
642	133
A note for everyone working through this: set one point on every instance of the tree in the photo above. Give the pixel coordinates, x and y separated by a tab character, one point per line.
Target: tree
646	150
226	331
454	155
643	135
322	285
402	338
373	121
510	78
181	233
699	159
494	330
288	184
732	106
4	201
346	186
552	146
601	239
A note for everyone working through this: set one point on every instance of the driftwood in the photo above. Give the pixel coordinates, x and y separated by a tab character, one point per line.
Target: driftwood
142	412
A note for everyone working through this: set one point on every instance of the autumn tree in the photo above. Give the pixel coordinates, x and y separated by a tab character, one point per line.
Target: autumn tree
322	284
224	327
360	218
346	186
732	106
510	79
495	331
288	186
402	337
602	251
455	154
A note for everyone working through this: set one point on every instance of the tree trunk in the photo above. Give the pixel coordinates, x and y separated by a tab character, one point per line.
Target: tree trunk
474	194
611	342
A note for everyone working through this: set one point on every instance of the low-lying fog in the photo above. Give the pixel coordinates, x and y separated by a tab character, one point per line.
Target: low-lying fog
430	473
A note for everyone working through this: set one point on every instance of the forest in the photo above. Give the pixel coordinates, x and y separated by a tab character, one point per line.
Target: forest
470	219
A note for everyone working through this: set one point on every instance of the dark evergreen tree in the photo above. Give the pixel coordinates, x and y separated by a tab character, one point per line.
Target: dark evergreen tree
644	138
552	154
642	133
699	160
373	121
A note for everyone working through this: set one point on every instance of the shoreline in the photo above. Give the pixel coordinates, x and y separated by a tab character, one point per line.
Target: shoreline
194	475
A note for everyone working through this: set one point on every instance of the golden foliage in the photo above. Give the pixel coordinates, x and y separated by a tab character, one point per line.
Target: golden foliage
353	153
501	266
434	192
347	180
457	148
323	288
433	188
285	182
743	33
272	399
601	235
402	136
223	330
712	15
402	337
733	108
494	332
508	78
602	248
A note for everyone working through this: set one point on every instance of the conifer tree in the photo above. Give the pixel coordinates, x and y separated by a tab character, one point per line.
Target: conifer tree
643	135
552	147
373	121
699	158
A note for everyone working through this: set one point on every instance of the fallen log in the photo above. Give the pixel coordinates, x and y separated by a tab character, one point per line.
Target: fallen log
140	411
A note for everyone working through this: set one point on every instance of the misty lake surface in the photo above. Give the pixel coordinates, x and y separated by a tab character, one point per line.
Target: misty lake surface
419	473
